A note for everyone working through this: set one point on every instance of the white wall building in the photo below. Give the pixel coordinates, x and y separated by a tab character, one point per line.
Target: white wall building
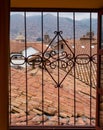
29	51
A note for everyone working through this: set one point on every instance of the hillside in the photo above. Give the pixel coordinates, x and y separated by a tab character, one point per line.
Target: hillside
49	26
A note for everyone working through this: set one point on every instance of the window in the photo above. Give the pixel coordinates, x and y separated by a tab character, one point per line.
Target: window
49	88
62	47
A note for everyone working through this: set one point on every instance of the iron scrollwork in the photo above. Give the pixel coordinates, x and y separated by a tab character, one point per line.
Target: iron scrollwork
53	59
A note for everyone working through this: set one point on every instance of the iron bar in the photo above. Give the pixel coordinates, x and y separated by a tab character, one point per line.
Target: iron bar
52	128
66	44
74	65
10	90
74	69
42	71
90	68
50	43
58	70
25	25
66	74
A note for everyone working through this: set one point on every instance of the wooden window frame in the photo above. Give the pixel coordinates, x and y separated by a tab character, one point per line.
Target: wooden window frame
56	127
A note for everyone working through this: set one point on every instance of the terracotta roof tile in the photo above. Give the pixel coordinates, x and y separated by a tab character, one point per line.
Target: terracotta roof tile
17	47
34	87
18	93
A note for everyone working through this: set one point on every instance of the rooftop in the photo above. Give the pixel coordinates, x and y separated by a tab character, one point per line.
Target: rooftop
50	78
34	81
16	47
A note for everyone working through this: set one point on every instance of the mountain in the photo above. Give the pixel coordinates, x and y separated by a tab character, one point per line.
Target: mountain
34	26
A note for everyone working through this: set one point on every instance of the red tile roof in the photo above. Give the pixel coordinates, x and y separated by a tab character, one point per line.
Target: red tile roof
81	47
17	47
34	87
34	83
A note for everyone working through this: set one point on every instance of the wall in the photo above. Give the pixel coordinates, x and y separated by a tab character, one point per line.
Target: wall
58	3
4	62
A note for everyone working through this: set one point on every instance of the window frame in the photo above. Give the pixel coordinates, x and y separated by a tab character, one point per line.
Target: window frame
57	127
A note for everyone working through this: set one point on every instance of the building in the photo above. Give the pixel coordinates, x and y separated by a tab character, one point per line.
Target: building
46	39
88	36
34	87
20	38
18	52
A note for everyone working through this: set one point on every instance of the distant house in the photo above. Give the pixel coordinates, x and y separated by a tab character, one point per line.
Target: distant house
29	51
31	48
20	38
88	36
18	52
61	46
46	39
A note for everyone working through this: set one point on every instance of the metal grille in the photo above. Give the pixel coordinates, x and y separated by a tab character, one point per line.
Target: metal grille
69	75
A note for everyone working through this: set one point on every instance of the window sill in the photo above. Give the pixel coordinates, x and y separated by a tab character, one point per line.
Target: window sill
52	128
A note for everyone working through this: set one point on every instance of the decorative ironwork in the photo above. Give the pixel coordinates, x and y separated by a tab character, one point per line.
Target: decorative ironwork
55	58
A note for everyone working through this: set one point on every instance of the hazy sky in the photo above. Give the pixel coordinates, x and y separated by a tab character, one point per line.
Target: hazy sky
78	16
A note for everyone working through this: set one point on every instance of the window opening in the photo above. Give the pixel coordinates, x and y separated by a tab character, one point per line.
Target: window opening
53	69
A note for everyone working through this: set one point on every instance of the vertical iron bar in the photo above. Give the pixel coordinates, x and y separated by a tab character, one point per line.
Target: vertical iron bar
74	70
99	23
9	91
42	71
10	86
90	67
58	70
26	69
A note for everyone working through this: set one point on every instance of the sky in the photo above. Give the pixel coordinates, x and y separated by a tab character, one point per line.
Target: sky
78	16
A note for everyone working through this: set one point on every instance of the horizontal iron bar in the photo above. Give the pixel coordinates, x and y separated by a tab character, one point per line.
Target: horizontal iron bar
54	9
52	128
